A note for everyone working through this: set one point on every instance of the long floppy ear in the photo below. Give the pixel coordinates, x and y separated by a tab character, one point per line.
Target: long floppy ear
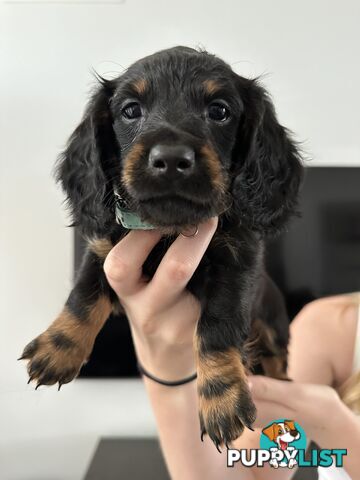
270	431
290	424
81	168
266	164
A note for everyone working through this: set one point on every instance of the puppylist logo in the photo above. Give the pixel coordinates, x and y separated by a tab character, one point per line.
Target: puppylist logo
283	445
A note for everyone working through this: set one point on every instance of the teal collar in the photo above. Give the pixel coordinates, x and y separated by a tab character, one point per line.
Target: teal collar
125	217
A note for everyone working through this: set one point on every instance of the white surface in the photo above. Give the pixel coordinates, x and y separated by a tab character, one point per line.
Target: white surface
308	52
51	435
332	473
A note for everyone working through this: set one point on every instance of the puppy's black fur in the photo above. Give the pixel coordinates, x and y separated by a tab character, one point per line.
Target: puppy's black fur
182	138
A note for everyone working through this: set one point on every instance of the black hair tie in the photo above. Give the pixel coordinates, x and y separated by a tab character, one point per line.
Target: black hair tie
167	383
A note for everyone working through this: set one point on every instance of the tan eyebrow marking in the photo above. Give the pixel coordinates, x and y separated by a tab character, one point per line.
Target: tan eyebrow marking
211	86
140	86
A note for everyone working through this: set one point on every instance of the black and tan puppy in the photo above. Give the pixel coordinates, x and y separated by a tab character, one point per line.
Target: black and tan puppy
176	139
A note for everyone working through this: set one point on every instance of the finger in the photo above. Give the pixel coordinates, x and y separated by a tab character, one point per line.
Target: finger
123	265
272	390
180	262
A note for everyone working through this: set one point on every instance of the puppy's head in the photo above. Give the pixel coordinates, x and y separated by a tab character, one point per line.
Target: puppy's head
182	138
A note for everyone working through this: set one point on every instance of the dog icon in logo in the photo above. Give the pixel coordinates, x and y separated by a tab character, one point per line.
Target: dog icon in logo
282	433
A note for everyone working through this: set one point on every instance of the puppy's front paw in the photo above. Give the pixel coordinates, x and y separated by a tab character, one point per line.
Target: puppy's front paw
53	357
58	354
225	403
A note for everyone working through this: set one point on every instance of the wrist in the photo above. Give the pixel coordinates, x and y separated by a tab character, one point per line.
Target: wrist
330	417
167	361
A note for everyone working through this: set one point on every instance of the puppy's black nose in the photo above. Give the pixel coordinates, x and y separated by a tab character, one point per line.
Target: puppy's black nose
171	160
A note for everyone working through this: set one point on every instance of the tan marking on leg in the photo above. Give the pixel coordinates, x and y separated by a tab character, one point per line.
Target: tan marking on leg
100	246
228	368
275	367
263	340
130	162
49	363
97	314
83	332
220	365
223	414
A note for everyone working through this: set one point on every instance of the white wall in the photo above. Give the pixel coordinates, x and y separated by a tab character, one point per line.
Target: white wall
308	53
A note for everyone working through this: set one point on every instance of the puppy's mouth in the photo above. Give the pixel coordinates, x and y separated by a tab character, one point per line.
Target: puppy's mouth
171	213
174	211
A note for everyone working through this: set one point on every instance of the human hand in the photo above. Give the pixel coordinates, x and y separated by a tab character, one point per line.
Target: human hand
310	405
161	312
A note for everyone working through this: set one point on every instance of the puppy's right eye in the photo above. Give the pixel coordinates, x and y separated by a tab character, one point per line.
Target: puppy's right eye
131	111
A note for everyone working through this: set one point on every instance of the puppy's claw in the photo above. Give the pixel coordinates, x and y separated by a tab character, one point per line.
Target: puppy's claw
38	385
30	349
60	385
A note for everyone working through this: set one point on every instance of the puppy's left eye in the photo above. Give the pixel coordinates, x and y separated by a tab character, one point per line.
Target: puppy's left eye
132	110
218	111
